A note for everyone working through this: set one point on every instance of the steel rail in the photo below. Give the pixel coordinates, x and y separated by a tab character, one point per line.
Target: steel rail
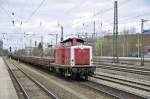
121	59
97	89
124	82
127	66
124	69
21	87
36	82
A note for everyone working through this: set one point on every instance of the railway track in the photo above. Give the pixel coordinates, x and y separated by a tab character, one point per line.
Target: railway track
30	87
74	89
115	93
122	60
137	88
89	86
145	86
125	68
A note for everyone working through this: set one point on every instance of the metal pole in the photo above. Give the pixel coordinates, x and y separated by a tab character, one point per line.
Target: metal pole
56	38
138	44
30	47
86	38
102	40
115	34
51	48
102	45
82	29
35	43
94	30
142	52
113	50
42	45
116	9
61	33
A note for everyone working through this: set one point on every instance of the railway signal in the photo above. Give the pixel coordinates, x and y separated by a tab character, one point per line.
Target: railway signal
13	21
10	49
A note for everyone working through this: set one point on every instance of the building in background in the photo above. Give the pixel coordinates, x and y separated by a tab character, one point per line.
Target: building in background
128	45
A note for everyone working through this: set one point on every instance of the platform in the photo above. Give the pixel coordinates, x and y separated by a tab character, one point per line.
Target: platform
7	90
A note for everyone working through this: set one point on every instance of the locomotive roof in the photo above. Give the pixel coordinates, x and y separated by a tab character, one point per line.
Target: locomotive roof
69	39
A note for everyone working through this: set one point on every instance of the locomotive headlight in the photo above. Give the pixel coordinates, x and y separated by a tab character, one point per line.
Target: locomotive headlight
82	48
72	62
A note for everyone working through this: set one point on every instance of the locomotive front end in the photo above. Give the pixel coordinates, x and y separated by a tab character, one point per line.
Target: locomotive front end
81	55
76	58
82	61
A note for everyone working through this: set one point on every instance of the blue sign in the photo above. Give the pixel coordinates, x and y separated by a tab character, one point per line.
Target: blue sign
146	31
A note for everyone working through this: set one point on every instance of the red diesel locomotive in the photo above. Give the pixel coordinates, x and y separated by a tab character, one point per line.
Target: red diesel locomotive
74	58
71	59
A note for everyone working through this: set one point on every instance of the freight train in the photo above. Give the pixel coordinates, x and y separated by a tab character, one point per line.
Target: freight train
72	59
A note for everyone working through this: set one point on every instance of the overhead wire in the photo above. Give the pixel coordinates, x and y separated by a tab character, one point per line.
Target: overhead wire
77	6
133	17
44	1
35	11
111	8
99	13
137	16
5	11
70	10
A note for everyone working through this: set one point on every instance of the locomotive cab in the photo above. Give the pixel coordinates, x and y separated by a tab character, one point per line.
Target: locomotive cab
72	51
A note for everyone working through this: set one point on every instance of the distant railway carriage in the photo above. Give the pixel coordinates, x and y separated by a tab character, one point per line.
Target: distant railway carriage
71	59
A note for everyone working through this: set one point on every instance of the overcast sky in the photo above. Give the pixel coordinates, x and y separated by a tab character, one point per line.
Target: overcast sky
41	17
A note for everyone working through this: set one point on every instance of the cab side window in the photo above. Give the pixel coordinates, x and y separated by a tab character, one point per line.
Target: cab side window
67	44
79	43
